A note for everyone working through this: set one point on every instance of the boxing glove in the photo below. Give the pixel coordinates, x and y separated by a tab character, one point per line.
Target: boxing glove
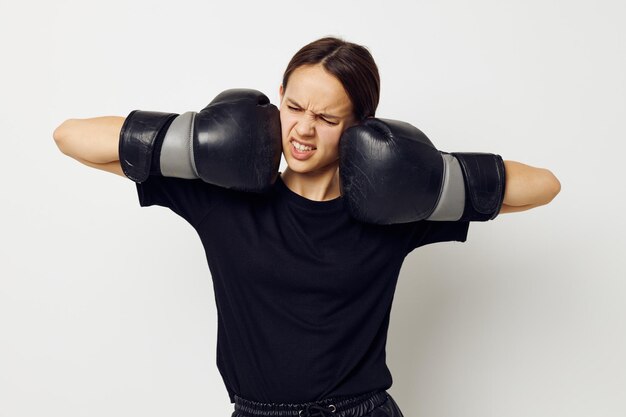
390	172
234	142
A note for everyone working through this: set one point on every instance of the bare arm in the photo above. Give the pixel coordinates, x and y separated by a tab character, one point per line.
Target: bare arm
528	187
93	142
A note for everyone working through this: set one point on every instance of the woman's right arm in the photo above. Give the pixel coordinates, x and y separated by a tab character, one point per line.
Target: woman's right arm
93	142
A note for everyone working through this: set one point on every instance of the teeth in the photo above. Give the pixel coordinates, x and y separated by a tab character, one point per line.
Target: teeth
301	147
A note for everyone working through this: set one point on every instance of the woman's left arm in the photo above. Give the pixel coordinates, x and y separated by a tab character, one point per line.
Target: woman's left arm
527	187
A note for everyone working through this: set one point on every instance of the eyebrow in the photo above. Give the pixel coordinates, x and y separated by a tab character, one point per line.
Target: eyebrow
328	116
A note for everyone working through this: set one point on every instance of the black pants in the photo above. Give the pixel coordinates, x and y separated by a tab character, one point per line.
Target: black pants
372	404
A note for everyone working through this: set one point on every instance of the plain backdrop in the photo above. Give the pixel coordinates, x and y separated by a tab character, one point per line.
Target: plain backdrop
107	308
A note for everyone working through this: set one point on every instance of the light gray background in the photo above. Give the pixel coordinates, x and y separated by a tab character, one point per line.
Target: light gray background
107	309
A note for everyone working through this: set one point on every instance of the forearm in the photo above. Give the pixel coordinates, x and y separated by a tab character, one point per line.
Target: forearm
528	186
113	166
94	140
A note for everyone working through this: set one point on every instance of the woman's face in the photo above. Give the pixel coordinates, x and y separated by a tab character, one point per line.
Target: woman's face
314	110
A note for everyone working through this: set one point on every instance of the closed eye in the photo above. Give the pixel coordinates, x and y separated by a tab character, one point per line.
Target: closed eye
297	109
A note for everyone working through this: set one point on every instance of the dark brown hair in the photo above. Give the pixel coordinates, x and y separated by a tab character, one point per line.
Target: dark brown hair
350	63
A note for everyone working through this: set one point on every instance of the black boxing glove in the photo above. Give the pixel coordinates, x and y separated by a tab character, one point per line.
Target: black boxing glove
234	142
390	172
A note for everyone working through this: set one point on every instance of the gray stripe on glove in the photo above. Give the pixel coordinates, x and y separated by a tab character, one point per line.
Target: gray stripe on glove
451	202
177	158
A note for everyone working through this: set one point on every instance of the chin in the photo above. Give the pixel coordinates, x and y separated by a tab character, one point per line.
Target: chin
309	166
300	166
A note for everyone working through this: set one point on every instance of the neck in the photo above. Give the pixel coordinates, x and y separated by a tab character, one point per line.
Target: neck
317	186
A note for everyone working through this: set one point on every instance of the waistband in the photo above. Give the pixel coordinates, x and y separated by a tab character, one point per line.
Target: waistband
347	406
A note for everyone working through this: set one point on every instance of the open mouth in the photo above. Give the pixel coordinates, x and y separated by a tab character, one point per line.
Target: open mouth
301	147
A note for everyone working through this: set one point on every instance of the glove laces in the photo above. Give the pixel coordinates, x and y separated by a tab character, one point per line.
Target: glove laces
316	410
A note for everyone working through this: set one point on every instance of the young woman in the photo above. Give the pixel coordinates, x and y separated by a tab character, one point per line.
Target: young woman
303	290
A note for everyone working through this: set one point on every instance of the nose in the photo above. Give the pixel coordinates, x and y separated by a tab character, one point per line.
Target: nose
305	125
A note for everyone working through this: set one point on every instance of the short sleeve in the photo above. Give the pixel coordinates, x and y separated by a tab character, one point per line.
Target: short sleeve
191	199
425	232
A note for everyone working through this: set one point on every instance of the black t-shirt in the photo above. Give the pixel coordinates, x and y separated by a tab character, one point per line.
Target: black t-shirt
303	291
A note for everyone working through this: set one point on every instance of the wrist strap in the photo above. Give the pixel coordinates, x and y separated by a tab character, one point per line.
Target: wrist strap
141	137
485	180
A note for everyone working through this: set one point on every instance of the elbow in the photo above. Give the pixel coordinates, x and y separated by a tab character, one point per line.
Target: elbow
61	134
552	186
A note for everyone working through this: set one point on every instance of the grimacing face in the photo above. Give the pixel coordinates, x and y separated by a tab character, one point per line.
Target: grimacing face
314	110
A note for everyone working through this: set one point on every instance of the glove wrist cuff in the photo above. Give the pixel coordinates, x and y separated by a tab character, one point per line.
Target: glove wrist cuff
140	143
484	177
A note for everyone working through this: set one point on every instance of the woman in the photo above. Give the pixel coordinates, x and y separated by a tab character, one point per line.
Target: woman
303	291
